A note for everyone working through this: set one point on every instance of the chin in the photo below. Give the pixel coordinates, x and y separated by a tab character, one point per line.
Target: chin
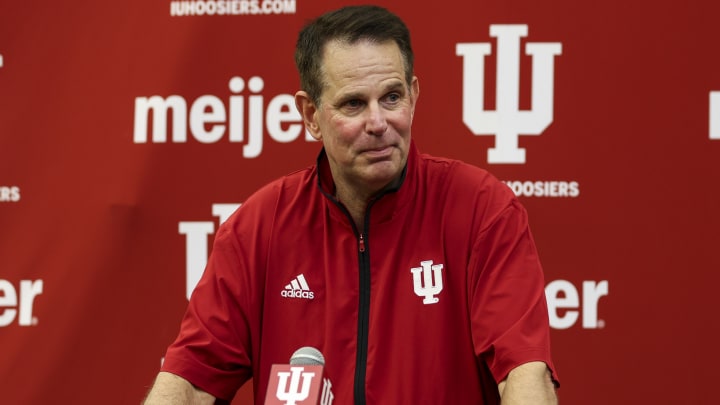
384	172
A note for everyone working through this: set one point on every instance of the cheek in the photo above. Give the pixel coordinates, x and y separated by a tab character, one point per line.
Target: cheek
345	131
402	122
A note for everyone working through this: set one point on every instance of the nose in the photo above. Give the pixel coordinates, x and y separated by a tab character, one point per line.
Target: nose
376	122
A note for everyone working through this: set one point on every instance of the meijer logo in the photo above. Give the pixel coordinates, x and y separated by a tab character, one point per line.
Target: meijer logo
209	120
10	307
565	307
508	122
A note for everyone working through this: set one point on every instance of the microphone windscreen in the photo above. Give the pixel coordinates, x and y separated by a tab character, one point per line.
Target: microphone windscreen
307	356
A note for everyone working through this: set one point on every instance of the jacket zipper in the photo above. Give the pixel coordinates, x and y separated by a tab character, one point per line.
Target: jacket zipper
364	288
361	243
363	318
363	302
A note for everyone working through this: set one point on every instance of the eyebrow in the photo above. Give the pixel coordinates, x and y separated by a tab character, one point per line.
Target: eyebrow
395	85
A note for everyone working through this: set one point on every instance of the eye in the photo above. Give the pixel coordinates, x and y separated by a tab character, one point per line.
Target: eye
353	103
352	106
392	99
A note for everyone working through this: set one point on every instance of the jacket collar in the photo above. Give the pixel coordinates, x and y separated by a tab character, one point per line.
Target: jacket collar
388	202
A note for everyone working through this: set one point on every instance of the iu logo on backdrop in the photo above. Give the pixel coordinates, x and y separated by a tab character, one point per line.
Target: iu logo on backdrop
507	123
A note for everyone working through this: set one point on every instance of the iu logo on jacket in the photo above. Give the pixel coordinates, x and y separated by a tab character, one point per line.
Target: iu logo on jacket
427	280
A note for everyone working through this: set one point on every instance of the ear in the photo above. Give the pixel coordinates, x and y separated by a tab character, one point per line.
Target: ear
308	112
415	93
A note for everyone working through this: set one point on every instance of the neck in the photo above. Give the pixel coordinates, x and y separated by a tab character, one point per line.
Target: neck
356	204
356	200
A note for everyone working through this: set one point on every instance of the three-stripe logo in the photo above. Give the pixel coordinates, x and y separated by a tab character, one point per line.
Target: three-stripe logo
298	288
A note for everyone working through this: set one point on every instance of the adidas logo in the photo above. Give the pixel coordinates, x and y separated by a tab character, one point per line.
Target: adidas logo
298	288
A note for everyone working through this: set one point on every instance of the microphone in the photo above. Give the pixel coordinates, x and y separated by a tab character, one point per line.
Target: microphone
307	356
302	382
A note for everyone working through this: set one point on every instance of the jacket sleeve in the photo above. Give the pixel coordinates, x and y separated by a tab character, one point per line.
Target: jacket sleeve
508	309
214	348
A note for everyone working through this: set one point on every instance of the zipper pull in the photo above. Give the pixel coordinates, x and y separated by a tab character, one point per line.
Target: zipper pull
361	243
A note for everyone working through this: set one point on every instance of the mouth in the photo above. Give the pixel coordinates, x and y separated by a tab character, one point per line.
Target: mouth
379	153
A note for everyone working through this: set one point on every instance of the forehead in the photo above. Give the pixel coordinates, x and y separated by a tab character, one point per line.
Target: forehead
343	61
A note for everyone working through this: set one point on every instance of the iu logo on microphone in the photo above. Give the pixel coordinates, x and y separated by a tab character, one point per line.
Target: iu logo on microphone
508	122
298	385
294	391
427	281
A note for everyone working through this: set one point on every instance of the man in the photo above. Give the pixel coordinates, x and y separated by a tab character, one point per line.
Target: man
418	276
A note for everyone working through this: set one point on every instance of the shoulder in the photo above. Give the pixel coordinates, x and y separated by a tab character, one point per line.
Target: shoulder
469	195
457	178
280	194
297	182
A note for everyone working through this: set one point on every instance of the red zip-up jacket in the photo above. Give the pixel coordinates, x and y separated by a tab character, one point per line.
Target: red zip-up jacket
434	303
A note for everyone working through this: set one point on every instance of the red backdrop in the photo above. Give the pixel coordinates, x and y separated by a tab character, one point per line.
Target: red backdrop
102	224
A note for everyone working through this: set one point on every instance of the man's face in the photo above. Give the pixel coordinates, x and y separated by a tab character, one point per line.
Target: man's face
365	114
